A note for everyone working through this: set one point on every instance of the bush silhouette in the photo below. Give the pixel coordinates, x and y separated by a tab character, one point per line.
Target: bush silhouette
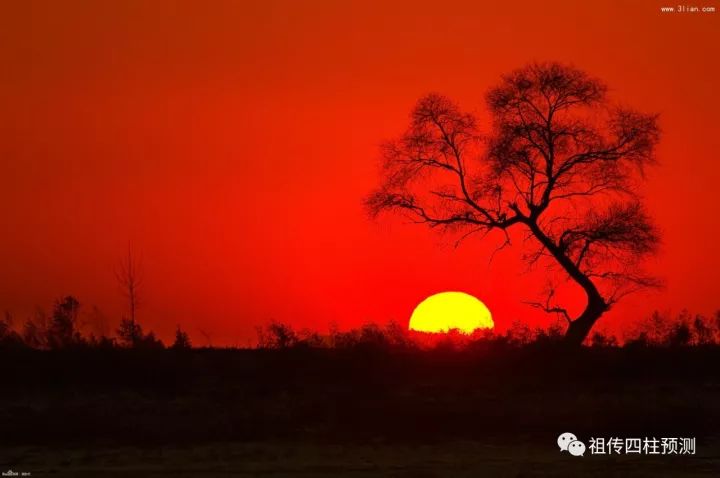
62	331
182	340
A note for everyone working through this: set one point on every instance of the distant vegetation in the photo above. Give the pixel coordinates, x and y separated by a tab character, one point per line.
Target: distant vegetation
63	329
658	330
372	384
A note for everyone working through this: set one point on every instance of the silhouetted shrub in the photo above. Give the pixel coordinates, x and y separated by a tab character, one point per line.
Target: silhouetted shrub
101	342
34	332
398	335
276	335
520	333
62	331
661	330
310	339
705	332
8	337
150	341
182	340
679	335
371	336
129	333
599	340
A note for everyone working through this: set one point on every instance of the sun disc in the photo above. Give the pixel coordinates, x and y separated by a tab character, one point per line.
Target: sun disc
451	310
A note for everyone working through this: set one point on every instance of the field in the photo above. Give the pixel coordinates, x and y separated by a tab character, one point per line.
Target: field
356	412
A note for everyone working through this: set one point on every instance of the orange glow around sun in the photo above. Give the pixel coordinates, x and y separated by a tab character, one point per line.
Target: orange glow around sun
451	310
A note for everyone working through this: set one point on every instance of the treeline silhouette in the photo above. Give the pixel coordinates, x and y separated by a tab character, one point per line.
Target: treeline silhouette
61	329
657	330
371	382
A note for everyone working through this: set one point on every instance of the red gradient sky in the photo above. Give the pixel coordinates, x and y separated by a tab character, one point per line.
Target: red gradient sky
232	144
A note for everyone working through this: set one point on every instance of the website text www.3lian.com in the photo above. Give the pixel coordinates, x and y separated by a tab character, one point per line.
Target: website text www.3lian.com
688	9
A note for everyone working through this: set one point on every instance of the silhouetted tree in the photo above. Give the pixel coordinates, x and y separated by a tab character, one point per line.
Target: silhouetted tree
129	277
63	330
561	162
680	335
182	340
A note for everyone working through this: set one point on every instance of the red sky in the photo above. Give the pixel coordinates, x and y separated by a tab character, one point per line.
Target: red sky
232	144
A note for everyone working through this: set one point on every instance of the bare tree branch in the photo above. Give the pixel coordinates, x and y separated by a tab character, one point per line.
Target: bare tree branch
557	147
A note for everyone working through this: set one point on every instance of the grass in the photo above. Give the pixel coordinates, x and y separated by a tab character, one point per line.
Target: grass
521	457
353	413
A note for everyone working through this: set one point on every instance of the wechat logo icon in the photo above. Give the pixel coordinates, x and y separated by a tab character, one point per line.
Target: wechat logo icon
569	442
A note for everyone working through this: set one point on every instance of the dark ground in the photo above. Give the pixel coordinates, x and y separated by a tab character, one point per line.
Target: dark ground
354	413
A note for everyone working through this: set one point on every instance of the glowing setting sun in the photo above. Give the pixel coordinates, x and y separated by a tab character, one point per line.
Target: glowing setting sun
445	311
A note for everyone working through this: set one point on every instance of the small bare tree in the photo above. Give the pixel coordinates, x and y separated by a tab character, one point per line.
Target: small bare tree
561	163
129	277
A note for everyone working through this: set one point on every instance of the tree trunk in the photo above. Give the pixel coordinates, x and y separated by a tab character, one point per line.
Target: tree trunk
579	328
